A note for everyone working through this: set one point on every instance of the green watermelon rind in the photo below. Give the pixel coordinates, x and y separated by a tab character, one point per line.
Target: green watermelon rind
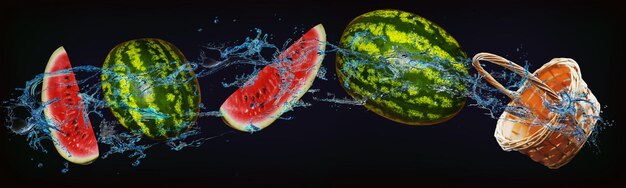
179	104
450	46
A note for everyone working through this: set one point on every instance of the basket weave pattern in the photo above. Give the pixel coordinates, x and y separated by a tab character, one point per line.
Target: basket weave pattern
545	136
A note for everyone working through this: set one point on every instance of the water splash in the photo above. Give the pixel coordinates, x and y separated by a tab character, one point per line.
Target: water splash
345	100
487	97
258	53
25	113
182	141
482	94
321	74
121	142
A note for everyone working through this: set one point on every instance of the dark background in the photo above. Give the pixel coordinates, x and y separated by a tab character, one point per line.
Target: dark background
323	145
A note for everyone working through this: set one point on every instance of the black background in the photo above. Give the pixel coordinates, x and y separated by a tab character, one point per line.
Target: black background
323	145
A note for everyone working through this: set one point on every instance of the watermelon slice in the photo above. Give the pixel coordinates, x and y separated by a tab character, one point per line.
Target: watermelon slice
278	86
71	133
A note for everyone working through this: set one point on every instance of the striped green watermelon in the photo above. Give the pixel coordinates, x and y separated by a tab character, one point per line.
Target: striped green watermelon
404	66
150	89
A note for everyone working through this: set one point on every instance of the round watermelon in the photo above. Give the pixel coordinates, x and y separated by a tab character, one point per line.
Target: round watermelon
406	68
150	88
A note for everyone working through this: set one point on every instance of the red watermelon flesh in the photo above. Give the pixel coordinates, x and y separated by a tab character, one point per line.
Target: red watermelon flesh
72	133
278	86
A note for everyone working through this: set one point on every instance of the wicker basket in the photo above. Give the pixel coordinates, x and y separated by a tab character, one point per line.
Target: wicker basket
534	135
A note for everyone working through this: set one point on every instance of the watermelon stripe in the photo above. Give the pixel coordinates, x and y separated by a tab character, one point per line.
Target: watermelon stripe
406	100
401	103
421	28
157	109
385	33
388	34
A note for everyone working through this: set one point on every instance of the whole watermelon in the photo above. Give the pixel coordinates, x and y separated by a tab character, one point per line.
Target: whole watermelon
406	68
150	89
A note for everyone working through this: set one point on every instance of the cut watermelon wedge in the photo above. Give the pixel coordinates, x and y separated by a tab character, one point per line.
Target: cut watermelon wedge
72	133
278	86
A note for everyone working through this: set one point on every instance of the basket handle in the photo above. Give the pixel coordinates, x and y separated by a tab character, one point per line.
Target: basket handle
495	59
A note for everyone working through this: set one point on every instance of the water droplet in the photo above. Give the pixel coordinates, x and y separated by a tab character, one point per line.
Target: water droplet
66	169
